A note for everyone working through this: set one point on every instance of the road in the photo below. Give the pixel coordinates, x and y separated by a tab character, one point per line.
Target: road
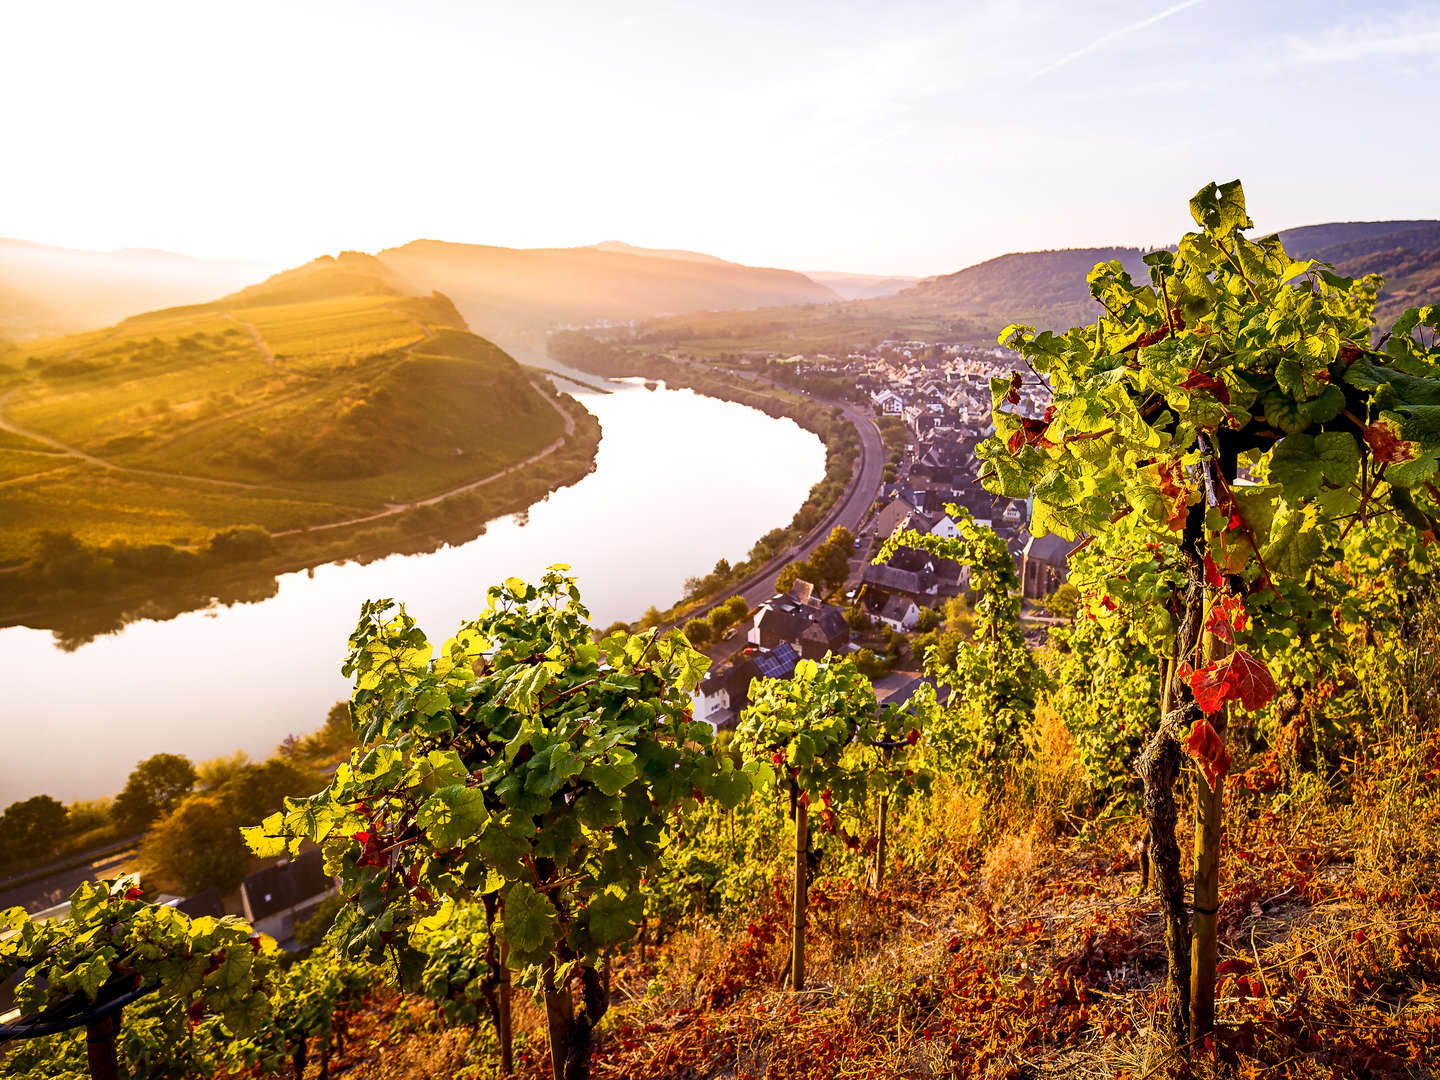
864	487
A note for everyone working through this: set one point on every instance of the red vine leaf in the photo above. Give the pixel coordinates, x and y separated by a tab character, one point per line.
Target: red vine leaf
1239	677
1207	747
1212	574
1227	618
1383	438
1013	394
1177	494
1208	383
1031	433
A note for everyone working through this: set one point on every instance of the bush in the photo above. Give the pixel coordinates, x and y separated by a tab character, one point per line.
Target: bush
698	631
241	544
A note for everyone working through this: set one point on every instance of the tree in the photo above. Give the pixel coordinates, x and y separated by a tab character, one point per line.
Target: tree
153	788
831	561
29	828
522	761
698	631
1234	355
799	570
738	607
1063	600
195	847
720	620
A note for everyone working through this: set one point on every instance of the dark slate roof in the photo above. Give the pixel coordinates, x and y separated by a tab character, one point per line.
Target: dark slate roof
1050	549
896	606
832	623
280	887
778	621
204	903
887	577
777	663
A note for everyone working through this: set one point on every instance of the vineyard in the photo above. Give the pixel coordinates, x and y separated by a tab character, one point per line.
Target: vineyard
1196	833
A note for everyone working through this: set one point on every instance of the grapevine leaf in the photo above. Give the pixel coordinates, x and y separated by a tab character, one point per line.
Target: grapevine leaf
529	924
453	815
612	917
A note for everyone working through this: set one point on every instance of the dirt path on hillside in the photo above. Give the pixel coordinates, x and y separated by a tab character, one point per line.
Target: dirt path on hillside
391	509
91	459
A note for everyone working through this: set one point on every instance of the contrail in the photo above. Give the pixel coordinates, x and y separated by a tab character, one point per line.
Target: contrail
1114	35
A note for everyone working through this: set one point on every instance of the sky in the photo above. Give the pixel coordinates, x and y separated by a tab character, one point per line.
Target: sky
889	137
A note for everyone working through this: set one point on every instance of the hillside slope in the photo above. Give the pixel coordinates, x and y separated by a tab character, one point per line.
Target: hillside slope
1407	253
325	393
514	296
53	290
1044	289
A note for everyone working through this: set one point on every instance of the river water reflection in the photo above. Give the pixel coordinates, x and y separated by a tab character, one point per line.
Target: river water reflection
681	480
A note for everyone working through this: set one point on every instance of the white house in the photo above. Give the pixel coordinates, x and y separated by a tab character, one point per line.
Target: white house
899	613
712	696
946	528
889	402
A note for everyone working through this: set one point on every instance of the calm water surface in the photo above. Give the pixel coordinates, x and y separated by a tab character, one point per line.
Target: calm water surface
681	481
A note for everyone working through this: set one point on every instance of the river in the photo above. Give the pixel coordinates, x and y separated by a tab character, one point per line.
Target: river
680	481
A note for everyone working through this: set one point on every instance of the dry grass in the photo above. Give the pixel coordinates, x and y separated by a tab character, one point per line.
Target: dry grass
1032	955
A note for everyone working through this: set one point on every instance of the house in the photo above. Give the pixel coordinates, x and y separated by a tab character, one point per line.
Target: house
800	618
278	897
1044	565
710	698
889	516
945	528
900	613
888	402
776	663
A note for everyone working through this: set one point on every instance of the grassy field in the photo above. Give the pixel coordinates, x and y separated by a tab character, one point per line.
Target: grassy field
321	395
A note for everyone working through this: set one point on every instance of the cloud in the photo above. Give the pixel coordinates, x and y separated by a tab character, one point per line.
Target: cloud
1112	36
1411	33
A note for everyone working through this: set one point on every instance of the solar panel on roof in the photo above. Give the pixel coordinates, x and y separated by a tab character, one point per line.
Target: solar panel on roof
778	663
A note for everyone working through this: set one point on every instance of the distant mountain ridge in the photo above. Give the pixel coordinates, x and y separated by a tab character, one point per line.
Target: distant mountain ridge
1046	289
516	296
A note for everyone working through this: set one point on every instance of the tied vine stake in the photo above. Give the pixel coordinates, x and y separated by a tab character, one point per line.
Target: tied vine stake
1225	422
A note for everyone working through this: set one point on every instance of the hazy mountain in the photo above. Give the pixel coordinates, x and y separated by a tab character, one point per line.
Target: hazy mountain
516	296
619	247
47	290
861	286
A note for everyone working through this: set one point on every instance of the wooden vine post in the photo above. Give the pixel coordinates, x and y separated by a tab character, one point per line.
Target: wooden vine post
800	894
505	1025
100	1051
1209	822
880	840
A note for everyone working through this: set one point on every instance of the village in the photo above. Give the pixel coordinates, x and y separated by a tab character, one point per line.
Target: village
932	404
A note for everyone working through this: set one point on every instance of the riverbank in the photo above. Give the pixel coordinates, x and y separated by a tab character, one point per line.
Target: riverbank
854	464
92	592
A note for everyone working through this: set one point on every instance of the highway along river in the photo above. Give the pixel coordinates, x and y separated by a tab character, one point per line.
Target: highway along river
680	481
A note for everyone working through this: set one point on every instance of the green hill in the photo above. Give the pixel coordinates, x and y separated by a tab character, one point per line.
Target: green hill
1406	252
325	393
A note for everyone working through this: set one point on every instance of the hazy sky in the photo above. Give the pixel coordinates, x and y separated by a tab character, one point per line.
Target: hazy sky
896	137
